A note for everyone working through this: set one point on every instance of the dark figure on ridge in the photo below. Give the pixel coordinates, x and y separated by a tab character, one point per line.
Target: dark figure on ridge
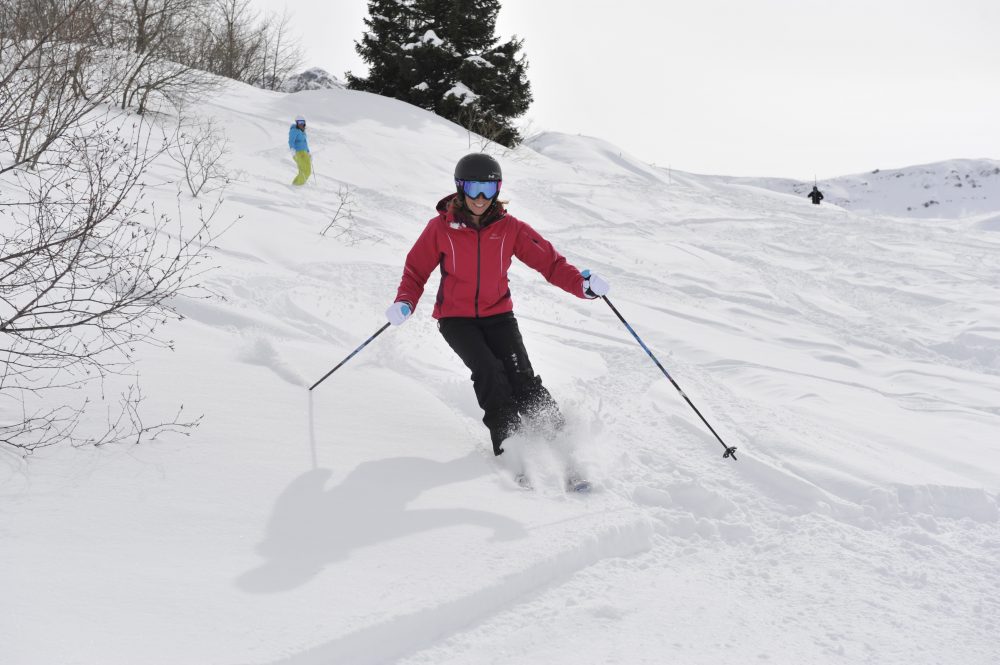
815	195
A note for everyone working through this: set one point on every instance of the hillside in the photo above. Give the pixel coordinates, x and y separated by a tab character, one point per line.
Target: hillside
955	189
853	358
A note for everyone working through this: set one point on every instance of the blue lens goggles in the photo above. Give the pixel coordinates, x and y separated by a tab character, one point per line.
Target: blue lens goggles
475	188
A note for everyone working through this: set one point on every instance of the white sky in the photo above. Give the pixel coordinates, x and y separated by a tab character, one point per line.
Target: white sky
791	88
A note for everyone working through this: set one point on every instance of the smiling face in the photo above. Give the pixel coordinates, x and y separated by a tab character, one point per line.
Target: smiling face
477	206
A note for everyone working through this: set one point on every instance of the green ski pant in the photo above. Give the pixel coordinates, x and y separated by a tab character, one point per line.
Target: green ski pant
304	162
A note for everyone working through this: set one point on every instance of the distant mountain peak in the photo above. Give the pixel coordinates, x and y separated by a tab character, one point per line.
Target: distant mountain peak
315	78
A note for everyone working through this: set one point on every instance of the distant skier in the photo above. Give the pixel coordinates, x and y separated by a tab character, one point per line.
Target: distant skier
473	240
299	146
815	195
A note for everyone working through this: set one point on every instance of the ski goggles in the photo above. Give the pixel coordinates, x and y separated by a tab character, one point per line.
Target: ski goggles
475	188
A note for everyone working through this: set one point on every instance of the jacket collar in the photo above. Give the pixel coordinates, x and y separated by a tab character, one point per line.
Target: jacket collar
448	206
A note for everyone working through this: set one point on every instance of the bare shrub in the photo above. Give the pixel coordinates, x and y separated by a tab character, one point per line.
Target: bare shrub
344	227
87	274
343	217
155	52
200	147
50	77
150	81
280	54
234	41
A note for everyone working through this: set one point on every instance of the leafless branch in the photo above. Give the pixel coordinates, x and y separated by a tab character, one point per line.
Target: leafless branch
87	274
200	147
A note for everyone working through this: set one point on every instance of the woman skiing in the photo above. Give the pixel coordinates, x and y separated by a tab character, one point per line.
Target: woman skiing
472	241
298	144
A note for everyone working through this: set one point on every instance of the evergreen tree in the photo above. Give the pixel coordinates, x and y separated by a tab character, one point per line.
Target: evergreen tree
442	55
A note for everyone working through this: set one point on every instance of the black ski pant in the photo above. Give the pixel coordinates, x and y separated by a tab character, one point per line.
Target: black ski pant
505	384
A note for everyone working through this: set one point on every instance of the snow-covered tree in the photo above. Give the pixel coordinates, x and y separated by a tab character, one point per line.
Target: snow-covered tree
444	56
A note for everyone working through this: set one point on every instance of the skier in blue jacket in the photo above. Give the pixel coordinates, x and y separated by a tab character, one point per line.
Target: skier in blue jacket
299	146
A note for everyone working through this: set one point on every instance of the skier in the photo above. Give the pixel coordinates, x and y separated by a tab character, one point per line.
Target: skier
815	195
472	241
299	146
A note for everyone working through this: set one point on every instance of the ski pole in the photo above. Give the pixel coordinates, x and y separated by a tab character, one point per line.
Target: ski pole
353	353
730	450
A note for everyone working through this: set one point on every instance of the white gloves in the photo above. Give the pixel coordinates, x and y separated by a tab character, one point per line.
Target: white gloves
594	286
398	313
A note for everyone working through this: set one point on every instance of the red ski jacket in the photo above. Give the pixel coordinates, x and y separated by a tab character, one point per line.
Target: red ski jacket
474	262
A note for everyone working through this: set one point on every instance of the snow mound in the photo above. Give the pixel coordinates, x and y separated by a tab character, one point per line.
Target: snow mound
593	155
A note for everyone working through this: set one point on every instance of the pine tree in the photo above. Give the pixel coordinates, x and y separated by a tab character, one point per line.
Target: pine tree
390	24
443	55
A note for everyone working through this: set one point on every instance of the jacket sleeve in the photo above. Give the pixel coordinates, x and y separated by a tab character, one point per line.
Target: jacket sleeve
538	253
291	138
423	257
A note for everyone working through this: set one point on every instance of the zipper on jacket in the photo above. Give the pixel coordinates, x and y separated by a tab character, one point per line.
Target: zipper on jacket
478	262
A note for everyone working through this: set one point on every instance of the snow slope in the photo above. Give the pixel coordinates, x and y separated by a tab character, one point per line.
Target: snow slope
854	360
954	189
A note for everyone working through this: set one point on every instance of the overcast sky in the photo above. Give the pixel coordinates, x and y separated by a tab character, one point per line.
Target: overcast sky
792	88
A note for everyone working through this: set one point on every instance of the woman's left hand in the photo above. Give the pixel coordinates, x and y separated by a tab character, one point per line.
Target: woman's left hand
594	286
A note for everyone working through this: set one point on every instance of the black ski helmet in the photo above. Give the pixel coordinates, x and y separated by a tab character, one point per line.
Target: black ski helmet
478	166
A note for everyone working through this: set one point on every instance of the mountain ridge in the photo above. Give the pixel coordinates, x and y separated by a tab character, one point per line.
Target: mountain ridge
951	189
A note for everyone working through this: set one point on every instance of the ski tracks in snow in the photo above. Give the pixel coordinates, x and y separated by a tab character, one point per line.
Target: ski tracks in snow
884	562
406	633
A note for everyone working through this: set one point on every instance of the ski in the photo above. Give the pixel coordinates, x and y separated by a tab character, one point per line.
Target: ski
523	482
575	483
